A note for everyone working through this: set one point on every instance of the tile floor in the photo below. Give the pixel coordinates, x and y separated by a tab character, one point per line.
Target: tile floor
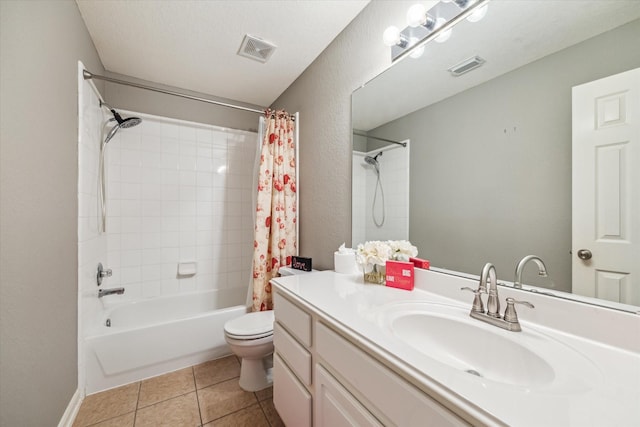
204	395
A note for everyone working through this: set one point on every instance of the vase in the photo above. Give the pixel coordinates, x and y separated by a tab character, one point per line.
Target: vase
377	275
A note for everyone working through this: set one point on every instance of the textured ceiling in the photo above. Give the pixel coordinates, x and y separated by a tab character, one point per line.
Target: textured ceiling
194	44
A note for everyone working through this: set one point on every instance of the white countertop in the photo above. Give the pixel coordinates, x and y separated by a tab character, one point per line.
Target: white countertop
599	387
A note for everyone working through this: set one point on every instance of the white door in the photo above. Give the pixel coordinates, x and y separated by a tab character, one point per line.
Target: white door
606	188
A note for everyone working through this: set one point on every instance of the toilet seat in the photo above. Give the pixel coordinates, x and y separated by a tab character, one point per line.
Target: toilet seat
250	326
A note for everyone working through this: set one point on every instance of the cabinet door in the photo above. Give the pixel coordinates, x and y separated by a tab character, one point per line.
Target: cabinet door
291	399
335	406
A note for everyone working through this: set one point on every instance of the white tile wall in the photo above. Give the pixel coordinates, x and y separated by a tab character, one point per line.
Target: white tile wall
394	176
179	191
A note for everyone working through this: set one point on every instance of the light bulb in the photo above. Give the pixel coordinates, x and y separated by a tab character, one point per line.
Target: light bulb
391	36
444	36
478	14
417	51
416	15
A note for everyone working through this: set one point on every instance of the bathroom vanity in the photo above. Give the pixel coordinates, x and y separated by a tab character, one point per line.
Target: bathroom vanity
349	353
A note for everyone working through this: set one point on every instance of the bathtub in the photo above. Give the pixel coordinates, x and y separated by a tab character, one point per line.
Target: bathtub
158	335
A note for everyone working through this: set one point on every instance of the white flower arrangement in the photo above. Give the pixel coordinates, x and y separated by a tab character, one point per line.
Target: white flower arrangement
376	252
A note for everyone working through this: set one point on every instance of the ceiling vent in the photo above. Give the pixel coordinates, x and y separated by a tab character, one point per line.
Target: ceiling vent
466	66
256	48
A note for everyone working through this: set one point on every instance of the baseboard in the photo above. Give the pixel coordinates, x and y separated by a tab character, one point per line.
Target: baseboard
73	407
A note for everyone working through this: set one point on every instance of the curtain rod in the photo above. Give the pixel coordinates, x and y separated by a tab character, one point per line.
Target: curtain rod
404	144
88	75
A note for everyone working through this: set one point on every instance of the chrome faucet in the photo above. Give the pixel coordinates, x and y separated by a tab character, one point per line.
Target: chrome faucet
105	292
542	269
493	304
492	316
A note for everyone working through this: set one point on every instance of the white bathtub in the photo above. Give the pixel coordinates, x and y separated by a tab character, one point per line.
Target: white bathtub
158	335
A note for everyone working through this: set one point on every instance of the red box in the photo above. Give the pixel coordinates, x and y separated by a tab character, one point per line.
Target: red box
400	274
420	263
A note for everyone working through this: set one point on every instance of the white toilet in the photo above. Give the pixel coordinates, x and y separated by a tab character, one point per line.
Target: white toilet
250	337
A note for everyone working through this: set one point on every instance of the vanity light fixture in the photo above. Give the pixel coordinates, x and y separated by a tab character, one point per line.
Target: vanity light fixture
418	51
478	14
393	37
435	23
460	3
417	15
444	35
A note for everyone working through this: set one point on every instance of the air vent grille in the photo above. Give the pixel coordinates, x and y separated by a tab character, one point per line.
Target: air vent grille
256	48
466	66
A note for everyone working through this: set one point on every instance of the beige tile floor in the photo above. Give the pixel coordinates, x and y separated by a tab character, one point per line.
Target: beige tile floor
204	395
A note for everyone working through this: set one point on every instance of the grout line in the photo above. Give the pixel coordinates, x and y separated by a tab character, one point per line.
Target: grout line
138	398
239	410
107	419
135	414
167	399
193	371
264	413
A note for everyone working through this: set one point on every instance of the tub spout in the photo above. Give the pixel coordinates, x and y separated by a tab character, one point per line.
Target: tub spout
105	292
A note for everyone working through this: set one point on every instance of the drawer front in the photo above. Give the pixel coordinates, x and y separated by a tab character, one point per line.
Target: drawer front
295	355
334	406
395	398
291	399
294	319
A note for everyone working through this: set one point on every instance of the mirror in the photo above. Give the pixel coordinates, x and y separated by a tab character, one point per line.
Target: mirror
490	169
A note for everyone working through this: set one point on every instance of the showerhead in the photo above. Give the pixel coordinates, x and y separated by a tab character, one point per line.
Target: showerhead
121	123
373	161
125	123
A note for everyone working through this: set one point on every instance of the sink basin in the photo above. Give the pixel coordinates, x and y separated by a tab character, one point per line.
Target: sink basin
449	336
474	350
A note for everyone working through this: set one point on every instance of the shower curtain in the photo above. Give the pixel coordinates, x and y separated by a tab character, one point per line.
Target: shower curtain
275	228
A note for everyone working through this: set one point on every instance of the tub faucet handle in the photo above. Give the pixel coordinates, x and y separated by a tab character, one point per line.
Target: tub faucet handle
102	273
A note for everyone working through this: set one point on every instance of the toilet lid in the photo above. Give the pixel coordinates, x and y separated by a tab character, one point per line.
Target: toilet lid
259	323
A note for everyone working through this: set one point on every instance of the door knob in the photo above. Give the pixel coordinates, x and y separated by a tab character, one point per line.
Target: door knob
584	254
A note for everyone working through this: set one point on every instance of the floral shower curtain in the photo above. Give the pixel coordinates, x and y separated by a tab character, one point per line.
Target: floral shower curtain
275	230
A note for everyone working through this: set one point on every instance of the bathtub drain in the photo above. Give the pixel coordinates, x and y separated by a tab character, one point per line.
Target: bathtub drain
108	323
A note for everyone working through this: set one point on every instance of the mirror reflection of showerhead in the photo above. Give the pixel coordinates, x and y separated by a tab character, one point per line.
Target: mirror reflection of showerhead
121	123
373	161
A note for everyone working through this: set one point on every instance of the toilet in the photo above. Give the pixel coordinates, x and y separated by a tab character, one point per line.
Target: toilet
250	337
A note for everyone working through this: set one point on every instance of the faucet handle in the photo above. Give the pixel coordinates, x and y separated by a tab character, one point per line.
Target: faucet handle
102	273
477	307
510	314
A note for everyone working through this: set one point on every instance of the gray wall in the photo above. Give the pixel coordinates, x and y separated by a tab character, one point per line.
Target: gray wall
322	95
491	166
144	101
40	44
